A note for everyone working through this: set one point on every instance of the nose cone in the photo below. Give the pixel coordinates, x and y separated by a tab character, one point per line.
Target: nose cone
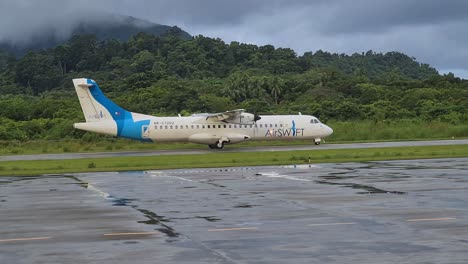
328	131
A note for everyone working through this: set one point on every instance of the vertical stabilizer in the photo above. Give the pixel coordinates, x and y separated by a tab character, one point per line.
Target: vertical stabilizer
96	107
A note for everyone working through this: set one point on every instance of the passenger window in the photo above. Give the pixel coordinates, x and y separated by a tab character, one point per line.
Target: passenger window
161	127
224	126
165	127
208	126
230	126
255	125
271	125
251	126
170	127
219	126
203	126
260	125
235	126
175	127
281	125
276	125
198	127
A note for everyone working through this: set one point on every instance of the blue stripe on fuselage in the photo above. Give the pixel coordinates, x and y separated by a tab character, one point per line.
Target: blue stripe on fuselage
126	127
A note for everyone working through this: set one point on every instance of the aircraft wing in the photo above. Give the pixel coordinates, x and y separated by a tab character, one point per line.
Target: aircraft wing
224	116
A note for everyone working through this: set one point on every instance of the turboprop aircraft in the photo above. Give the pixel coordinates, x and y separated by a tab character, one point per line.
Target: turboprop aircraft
215	130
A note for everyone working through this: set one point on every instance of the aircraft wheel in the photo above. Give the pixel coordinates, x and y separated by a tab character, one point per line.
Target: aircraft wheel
220	145
317	142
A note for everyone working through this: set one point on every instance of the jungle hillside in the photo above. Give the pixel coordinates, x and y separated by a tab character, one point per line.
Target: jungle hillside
363	96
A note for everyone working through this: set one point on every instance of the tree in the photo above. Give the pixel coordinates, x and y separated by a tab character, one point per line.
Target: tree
276	86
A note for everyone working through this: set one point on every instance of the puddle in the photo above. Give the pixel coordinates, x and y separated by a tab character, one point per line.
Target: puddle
121	201
131	242
5	182
23	178
209	218
368	189
245	205
214	184
154	219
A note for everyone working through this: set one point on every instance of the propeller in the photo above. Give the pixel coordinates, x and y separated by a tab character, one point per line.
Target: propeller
256	116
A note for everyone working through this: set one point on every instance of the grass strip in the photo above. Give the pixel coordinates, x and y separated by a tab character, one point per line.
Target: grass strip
223	159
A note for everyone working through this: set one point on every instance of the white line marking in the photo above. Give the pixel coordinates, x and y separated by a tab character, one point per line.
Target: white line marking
332	224
131	234
170	176
431	219
232	229
275	175
101	193
24	239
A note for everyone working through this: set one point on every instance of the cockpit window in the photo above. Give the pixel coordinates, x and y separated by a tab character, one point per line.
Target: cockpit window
314	121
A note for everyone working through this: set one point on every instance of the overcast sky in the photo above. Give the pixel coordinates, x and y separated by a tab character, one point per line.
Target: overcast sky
432	31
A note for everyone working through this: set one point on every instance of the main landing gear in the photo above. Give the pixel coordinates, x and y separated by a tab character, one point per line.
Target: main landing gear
219	145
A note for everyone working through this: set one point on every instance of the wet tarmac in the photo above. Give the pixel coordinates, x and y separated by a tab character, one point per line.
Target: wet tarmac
374	212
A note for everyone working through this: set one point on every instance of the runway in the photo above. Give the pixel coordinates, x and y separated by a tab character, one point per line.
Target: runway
374	212
236	149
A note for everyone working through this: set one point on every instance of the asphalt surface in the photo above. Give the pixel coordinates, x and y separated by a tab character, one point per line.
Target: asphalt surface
374	212
227	149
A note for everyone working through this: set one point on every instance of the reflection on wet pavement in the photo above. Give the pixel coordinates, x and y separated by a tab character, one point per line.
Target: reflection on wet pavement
372	212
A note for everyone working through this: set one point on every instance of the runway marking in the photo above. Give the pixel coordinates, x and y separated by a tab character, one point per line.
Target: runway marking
332	224
431	219
276	175
232	229
170	176
24	239
98	191
131	234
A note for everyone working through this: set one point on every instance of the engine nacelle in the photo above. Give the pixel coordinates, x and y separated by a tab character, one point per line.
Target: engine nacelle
244	119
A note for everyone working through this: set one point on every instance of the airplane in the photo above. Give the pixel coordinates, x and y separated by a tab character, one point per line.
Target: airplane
213	129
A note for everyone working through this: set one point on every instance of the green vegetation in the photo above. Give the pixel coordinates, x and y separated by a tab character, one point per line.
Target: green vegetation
396	96
345	131
38	167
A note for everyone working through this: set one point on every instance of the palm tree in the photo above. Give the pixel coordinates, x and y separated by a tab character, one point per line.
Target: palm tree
276	89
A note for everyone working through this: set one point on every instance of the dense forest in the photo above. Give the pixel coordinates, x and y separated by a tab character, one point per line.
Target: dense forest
168	75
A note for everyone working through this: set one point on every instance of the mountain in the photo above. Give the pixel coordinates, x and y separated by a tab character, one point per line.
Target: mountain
110	27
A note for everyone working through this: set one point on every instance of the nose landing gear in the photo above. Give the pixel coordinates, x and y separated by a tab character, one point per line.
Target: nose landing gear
317	141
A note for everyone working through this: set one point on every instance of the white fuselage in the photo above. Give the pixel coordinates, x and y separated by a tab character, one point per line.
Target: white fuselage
275	127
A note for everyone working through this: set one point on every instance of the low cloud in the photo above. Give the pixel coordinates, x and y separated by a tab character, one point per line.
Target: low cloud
433	31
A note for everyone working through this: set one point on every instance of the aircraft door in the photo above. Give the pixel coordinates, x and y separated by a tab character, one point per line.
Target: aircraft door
145	131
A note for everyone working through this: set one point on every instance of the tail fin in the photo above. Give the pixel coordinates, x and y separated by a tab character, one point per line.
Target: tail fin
96	107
